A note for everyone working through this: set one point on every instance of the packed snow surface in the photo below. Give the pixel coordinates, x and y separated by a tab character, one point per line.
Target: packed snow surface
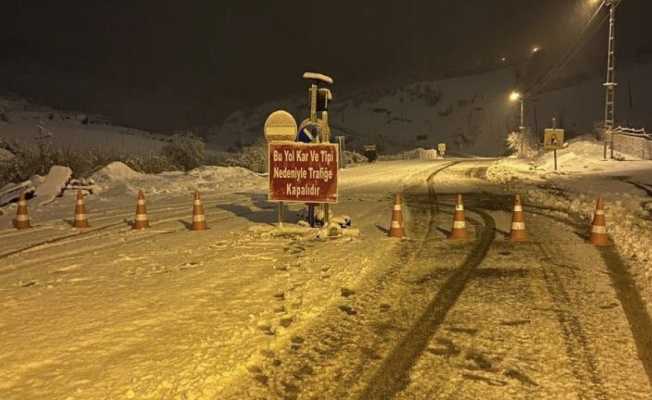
581	178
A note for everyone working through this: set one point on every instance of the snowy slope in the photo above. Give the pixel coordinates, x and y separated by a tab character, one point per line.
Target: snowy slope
471	114
21	120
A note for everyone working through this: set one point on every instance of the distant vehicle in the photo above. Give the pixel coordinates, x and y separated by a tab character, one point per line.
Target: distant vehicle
370	152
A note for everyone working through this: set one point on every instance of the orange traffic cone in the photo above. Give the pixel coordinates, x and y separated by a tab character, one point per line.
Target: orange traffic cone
459	224
598	226
397	230
198	217
518	233
81	220
141	221
22	217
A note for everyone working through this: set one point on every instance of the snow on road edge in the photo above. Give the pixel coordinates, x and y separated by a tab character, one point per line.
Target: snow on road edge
628	223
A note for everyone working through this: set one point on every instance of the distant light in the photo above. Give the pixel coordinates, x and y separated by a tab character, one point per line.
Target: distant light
503	59
514	96
536	49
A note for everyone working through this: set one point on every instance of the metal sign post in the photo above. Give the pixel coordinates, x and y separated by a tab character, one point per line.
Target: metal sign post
280	127
553	139
319	98
340	142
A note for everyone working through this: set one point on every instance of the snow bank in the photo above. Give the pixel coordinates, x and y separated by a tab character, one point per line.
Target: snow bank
582	155
628	224
116	171
583	176
117	178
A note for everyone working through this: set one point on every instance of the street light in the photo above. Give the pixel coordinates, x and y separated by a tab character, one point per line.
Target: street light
536	49
517	96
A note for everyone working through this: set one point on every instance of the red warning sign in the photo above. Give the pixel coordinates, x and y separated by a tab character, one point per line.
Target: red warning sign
304	173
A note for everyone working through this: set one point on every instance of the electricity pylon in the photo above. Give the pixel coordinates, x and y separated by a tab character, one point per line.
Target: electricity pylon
610	84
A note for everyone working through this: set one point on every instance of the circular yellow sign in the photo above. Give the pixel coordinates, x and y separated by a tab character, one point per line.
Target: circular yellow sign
280	126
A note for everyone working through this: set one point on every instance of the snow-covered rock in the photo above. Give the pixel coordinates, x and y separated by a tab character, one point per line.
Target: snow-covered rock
53	185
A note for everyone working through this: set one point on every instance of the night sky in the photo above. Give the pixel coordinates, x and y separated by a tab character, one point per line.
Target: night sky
165	65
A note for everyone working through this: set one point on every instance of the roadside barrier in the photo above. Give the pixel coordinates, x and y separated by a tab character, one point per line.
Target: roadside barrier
459	223
599	235
397	229
518	232
22	216
198	217
81	219
141	221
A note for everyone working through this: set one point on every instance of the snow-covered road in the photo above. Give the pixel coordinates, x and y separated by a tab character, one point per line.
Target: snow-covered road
244	311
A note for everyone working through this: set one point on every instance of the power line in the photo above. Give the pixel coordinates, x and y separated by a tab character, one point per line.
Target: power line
589	29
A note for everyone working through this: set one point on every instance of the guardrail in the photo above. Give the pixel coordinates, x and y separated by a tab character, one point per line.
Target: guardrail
633	132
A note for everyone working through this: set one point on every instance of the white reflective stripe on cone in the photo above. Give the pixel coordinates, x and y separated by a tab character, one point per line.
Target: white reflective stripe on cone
197	202
22	217
599	229
518	208
141	202
518	226
599	212
459	207
80	217
80	202
395	224
141	217
198	218
397	207
22	203
459	225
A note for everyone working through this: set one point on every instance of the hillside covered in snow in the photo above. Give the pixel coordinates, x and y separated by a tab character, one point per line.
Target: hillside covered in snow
472	114
27	123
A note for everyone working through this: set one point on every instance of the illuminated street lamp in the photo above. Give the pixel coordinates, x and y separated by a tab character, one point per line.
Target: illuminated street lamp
536	49
517	96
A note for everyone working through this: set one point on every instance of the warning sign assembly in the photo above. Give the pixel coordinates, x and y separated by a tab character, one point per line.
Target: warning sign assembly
304	173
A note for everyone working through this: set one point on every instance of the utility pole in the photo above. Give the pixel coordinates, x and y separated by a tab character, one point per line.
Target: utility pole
610	84
522	126
516	96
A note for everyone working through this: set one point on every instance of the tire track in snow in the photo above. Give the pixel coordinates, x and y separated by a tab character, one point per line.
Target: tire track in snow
393	374
626	290
329	338
107	231
178	211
